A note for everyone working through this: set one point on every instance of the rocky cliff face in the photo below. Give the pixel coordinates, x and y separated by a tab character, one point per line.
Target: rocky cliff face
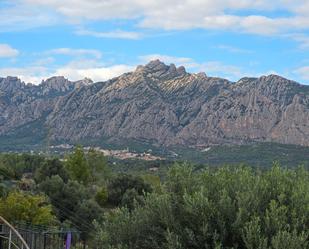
162	105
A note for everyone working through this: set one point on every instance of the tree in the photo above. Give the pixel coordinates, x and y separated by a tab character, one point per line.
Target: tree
86	212
229	207
130	198
120	184
98	166
20	206
3	190
65	197
73	203
50	168
7	173
77	166
154	181
287	240
20	164
101	196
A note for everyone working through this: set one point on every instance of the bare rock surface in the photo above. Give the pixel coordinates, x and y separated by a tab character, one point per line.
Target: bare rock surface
162	105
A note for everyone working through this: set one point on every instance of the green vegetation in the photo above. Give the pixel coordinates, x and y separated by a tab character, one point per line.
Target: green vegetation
69	193
77	166
256	154
18	206
124	188
260	155
216	208
122	204
14	165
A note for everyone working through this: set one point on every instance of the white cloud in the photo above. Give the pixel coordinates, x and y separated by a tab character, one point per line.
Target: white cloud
46	61
96	73
6	51
20	15
74	70
79	69
91	9
303	72
232	49
121	34
219	69
222	15
31	74
174	14
76	52
302	39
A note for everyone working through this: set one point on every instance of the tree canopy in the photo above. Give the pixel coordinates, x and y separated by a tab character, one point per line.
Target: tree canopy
224	208
18	206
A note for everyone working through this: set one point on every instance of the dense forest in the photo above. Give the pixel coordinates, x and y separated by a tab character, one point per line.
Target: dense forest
182	206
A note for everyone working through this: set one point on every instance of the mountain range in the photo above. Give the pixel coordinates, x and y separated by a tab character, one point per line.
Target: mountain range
157	104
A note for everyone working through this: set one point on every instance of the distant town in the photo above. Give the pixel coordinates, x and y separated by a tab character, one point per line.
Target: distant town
119	154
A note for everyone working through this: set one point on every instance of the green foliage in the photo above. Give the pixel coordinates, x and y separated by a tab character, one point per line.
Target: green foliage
19	206
88	167
7	173
3	190
77	166
235	207
98	166
65	197
252	235
131	198
84	215
101	196
72	203
154	182
189	207
250	154
15	165
118	186
287	240
50	168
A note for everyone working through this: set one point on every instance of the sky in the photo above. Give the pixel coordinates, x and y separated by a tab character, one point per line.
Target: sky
101	39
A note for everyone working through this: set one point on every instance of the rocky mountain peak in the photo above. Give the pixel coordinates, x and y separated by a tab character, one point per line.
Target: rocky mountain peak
56	83
156	66
274	79
84	82
159	70
10	84
181	70
271	80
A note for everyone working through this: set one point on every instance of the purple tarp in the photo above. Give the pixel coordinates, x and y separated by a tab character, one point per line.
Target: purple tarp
68	241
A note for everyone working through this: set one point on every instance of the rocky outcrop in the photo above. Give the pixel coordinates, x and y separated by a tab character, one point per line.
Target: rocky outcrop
162	105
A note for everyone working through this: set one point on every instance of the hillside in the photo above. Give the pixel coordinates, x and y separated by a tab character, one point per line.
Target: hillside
156	104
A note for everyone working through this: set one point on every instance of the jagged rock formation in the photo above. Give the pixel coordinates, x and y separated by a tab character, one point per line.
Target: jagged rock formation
162	105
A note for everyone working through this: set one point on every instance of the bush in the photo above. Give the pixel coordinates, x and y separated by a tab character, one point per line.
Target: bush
101	196
224	208
120	184
51	168
18	206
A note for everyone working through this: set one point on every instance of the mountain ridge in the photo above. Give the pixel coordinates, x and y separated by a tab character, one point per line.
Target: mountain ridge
163	105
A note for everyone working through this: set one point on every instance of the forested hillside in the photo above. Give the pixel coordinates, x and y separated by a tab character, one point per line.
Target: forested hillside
183	206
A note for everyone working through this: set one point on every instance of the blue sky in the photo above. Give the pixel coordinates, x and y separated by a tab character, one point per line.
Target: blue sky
101	39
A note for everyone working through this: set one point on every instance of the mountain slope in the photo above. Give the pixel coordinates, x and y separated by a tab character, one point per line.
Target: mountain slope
161	105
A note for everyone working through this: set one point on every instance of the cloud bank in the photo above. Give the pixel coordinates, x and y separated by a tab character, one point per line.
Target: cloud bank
6	51
261	16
